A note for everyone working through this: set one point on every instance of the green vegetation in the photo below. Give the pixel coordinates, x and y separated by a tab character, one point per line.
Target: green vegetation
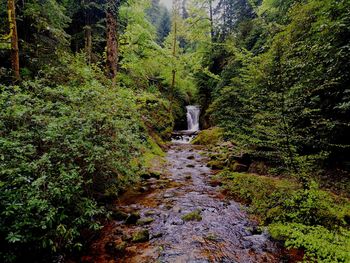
311	219
208	137
91	91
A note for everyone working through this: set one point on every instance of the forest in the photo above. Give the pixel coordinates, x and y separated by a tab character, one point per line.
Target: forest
174	131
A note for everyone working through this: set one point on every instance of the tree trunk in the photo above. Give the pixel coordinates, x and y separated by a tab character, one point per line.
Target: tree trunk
88	43
211	20
176	9
14	39
112	42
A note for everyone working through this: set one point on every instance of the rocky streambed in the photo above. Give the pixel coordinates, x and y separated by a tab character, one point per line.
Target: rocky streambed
182	217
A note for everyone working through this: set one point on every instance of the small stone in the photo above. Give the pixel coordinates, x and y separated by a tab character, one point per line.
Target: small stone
191	157
177	222
140	236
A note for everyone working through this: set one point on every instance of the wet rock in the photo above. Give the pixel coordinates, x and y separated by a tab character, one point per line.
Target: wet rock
132	218
119	215
216	165
193	216
150	213
168	195
144	221
157	235
177	222
211	237
140	236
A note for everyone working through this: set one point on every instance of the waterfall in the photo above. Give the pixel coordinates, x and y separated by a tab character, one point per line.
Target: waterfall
193	118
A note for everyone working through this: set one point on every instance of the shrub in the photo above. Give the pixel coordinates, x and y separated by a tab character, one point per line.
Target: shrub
61	149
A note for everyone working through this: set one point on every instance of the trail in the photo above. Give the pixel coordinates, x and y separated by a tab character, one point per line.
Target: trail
224	233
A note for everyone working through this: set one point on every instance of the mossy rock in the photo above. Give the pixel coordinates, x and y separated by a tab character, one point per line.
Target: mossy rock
132	218
145	221
216	165
193	216
140	236
208	137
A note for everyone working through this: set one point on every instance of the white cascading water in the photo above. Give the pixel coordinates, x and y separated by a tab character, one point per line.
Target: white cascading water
186	136
193	118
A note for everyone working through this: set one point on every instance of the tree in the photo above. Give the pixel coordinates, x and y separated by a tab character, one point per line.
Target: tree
10	41
112	37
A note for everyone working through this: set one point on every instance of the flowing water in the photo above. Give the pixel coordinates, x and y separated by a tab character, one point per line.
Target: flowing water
192	115
193	118
224	233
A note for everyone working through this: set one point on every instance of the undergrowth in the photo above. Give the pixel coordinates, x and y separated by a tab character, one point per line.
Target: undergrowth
305	218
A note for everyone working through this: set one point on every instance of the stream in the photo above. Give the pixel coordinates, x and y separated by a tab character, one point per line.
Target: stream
181	216
224	233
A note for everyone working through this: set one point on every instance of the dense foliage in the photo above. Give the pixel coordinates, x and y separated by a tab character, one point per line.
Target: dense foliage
103	83
282	89
63	147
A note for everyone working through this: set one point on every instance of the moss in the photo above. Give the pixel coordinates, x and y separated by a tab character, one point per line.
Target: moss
156	113
216	165
193	216
209	137
140	236
145	221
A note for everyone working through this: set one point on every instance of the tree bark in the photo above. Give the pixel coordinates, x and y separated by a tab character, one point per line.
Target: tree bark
14	39
112	42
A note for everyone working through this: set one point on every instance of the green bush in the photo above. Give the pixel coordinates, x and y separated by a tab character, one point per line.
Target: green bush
319	243
311	219
62	148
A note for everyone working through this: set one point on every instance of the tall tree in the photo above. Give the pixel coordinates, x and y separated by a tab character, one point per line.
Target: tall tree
14	39
176	15
112	37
